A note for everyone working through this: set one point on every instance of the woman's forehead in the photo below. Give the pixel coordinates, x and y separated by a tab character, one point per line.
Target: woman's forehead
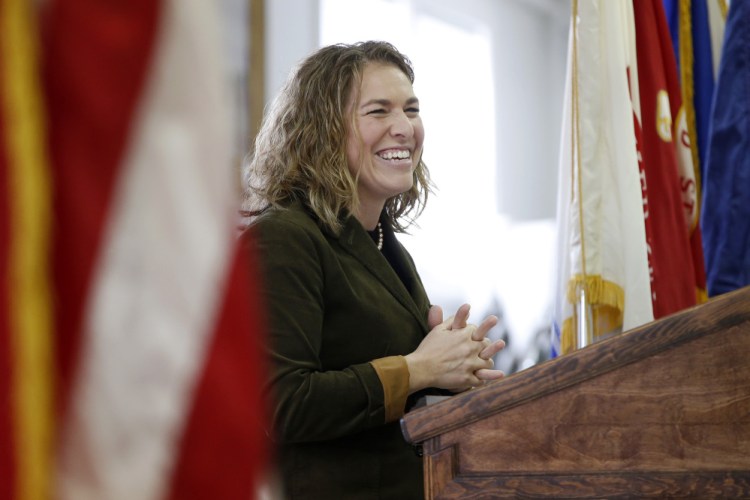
381	80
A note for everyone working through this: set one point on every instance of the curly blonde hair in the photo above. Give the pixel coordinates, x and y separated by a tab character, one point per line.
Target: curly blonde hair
300	151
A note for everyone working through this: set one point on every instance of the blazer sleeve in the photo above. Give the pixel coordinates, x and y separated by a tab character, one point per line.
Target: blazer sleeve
308	402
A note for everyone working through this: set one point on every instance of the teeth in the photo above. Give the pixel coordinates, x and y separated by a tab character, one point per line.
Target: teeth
399	155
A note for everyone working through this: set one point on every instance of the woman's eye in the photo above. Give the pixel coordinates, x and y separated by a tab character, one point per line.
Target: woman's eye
412	110
378	111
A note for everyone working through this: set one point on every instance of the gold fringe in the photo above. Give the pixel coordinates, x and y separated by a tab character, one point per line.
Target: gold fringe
605	322
598	291
701	295
606	301
688	96
724	8
30	309
568	341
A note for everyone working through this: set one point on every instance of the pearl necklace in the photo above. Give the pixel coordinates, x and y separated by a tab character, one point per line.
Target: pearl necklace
380	236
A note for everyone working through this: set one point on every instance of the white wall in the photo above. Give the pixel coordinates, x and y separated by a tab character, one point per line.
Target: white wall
529	40
291	34
530	68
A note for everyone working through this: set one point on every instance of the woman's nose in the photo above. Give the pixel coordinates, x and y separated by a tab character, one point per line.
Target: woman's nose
401	125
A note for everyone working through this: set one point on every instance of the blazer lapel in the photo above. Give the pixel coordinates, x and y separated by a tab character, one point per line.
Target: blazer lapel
355	240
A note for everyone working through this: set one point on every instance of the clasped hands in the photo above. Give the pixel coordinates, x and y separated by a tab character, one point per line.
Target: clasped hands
455	355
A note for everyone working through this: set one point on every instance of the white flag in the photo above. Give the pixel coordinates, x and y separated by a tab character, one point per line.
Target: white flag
603	276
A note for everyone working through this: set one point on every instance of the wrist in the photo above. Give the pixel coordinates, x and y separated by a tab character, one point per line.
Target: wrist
417	379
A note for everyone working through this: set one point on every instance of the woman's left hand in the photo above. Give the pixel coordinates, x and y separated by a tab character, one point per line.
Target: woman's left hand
459	321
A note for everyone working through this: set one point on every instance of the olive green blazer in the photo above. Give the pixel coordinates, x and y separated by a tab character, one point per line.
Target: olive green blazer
334	304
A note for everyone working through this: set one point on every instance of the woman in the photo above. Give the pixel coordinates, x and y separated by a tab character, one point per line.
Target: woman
353	341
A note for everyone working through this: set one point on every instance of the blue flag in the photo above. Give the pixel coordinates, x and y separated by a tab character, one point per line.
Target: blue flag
725	218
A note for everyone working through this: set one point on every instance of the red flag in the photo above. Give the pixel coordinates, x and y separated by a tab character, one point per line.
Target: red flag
233	434
96	62
673	235
158	316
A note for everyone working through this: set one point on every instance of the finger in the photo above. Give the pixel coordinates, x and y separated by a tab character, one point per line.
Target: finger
486	374
434	316
474	380
493	348
481	345
478	363
484	328
461	317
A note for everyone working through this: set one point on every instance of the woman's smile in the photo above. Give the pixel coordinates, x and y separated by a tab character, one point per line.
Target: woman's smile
384	144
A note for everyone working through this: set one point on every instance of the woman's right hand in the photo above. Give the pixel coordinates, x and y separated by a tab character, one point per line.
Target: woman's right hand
454	355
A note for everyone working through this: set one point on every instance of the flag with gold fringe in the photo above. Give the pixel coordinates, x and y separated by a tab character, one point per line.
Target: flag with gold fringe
129	330
162	391
605	241
671	177
603	273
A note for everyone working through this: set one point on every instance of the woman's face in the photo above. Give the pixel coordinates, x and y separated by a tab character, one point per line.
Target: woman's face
384	143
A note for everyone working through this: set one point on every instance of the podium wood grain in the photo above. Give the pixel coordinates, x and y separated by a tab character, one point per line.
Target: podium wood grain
659	411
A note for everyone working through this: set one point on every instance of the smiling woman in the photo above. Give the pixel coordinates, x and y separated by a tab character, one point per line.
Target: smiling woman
490	83
385	143
353	341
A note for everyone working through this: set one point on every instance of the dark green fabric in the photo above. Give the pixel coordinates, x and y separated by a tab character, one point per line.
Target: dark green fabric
334	304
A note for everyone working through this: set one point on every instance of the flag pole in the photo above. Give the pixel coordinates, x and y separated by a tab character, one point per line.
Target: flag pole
582	334
257	66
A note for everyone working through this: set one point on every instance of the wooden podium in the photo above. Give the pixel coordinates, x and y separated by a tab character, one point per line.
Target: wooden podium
659	411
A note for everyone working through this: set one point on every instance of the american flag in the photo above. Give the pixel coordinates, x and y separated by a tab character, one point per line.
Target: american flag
129	331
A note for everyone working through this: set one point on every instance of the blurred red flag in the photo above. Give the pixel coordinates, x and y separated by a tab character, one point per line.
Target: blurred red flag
673	234
156	369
